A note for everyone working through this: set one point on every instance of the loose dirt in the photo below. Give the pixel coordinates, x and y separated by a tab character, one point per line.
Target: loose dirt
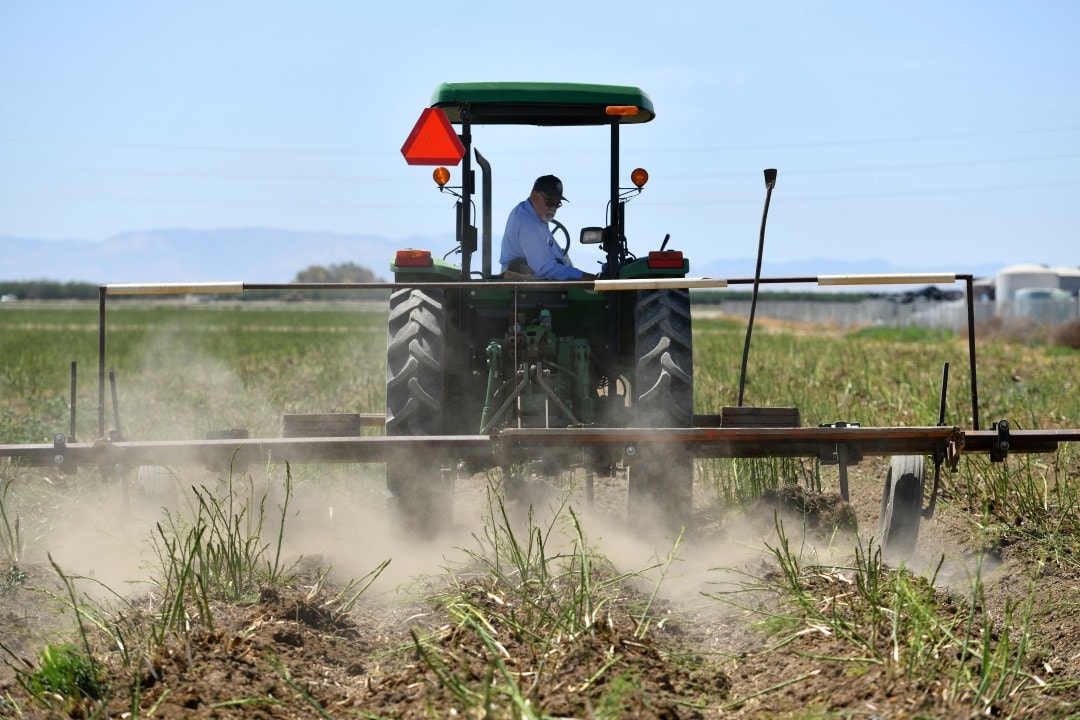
291	652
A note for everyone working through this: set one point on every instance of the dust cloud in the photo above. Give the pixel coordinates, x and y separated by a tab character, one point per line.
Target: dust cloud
335	518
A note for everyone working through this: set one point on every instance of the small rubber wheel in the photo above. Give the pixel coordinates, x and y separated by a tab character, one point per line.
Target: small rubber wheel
901	505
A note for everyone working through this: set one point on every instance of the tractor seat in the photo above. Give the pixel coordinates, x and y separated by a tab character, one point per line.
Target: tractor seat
520	269
520	277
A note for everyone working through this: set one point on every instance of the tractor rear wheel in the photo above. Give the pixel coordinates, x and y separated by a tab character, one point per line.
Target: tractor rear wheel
420	490
901	505
662	480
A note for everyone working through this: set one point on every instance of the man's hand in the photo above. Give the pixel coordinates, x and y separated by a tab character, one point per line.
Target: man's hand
587	276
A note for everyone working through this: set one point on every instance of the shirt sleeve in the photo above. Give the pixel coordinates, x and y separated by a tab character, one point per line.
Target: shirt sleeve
511	242
548	262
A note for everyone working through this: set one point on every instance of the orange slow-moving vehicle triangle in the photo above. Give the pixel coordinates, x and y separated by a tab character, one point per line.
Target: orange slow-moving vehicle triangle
433	141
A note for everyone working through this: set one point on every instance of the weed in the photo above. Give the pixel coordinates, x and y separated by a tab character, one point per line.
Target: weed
13	578
11	540
65	671
1066	335
895	618
219	554
534	600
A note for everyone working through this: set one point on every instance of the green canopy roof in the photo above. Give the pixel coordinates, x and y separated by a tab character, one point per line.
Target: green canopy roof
536	103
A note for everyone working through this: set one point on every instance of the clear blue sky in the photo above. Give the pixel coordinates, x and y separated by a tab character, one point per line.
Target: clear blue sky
926	134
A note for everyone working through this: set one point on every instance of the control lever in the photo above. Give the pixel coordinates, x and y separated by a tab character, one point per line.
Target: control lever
770	183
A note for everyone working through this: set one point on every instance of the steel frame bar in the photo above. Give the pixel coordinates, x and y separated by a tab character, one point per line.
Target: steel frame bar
719	442
829	444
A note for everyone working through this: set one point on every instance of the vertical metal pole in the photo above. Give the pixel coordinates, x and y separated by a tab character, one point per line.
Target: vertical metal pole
944	392
465	236
613	249
101	362
456	302
615	245
74	387
842	463
117	433
969	284
939	455
770	183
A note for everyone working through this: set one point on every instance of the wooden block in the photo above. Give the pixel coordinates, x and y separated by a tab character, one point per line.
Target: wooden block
228	434
761	417
321	425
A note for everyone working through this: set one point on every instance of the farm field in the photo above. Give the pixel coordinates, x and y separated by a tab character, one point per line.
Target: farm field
281	592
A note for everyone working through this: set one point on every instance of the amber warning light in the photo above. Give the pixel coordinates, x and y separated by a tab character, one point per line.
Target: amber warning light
413	258
433	141
665	259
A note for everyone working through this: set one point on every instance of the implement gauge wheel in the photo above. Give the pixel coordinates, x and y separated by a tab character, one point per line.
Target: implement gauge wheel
662	480
420	490
901	505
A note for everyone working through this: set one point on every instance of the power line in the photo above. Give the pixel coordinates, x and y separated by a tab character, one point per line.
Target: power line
864	141
655	202
403	178
268	150
75	170
238	149
172	200
898	166
929	192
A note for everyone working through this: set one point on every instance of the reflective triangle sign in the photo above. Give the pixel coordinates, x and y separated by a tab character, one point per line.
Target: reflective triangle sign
433	141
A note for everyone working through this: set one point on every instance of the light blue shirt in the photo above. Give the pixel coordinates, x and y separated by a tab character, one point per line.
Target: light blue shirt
527	236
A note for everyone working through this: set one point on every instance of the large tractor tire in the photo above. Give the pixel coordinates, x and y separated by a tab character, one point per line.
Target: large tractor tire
420	489
901	506
662	479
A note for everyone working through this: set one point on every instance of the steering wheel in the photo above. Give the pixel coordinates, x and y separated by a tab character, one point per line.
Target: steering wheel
559	227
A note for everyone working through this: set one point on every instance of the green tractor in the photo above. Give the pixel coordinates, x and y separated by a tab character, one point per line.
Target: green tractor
476	352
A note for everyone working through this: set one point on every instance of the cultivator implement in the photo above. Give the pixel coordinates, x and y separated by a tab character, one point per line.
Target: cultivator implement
829	445
737	432
842	445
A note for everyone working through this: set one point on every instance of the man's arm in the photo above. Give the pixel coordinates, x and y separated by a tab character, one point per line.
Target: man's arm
546	265
546	260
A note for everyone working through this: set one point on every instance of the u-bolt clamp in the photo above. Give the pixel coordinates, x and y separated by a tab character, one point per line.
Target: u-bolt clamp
1002	442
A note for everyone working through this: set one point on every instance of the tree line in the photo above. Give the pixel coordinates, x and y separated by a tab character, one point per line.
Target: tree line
348	272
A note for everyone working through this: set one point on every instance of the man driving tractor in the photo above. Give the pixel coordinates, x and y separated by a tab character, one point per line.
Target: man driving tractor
528	247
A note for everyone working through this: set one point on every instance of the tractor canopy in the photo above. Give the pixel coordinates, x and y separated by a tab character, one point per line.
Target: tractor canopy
543	103
551	104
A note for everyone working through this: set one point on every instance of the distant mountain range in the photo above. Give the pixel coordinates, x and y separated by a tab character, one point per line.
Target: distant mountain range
248	254
268	255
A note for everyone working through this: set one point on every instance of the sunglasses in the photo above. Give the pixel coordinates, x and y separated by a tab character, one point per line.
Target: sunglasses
550	201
